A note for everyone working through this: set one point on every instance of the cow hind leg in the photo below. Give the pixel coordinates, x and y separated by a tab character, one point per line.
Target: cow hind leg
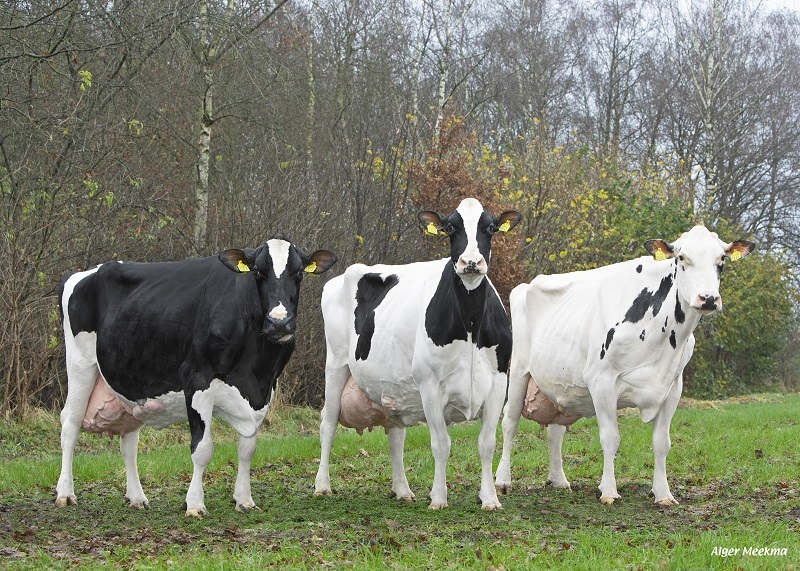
400	487
128	448
80	382
555	438
242	495
517	386
335	380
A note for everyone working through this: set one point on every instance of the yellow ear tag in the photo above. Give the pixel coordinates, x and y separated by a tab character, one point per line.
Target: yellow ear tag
242	267
660	257
310	268
505	226
736	255
431	230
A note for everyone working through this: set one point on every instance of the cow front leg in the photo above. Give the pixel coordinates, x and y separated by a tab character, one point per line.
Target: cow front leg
440	445
555	438
661	445
129	448
202	449
606	408
487	441
400	487
242	496
517	386
81	380
335	380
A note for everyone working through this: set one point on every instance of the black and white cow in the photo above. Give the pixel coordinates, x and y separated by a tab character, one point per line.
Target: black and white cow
587	343
428	341
157	343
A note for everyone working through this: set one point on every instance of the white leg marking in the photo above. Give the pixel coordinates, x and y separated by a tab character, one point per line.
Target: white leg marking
555	437
81	375
517	386
605	405
201	456
129	447
487	440
661	446
335	379
400	487
440	444
241	492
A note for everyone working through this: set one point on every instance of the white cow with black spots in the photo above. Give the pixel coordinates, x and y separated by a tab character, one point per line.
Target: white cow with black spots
428	341
588	343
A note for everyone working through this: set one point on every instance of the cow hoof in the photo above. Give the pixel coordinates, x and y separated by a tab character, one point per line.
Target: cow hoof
66	501
607	501
558	485
319	493
435	506
491	507
196	512
502	489
408	498
243	509
139	505
667	502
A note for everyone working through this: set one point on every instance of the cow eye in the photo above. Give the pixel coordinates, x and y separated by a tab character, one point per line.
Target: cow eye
491	228
448	228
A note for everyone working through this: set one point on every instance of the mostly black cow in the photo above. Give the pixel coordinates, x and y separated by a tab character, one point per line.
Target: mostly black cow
157	343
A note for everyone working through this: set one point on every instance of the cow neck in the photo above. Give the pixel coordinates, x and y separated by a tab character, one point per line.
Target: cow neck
672	319
455	311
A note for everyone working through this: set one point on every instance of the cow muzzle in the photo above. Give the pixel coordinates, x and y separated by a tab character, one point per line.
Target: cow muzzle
472	265
279	330
708	302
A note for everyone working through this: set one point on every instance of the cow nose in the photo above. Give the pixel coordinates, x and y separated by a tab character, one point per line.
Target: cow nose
279	324
709	301
280	331
472	265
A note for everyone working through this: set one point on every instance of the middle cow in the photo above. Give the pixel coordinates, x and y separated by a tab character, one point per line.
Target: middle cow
428	341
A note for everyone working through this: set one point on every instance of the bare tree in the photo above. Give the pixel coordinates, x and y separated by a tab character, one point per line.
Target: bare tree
220	26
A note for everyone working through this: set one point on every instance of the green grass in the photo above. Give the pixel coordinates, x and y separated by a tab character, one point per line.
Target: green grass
734	466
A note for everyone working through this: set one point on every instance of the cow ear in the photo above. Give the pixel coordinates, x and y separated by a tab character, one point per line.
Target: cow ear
507	220
739	249
431	222
235	260
320	262
659	249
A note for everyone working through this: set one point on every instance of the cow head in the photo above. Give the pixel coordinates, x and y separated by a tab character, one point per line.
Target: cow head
470	229
277	267
699	256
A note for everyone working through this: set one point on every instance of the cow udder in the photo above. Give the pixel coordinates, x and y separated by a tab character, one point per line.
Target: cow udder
358	412
106	414
541	409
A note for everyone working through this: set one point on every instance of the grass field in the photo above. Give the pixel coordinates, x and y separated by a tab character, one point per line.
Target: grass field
734	466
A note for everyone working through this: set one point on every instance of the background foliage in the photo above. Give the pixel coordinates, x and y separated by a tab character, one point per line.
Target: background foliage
149	130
